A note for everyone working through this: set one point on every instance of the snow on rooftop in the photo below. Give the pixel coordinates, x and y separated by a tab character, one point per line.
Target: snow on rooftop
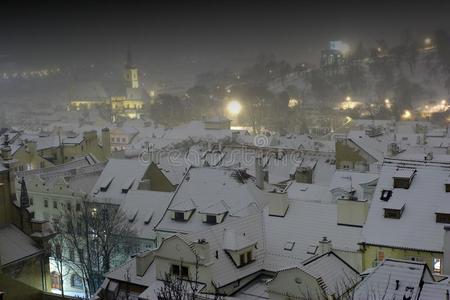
417	228
16	245
383	281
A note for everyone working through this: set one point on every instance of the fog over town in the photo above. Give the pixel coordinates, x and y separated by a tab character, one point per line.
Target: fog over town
225	150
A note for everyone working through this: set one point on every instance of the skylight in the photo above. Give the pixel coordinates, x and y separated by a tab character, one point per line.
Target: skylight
289	245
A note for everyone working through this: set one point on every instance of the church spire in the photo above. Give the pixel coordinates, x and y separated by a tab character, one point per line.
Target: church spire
129	62
24	199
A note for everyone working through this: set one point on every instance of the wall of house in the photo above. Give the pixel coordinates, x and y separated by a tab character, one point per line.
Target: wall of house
349	157
16	290
158	181
294	283
28	159
351	212
176	251
34	272
4	198
371	254
39	191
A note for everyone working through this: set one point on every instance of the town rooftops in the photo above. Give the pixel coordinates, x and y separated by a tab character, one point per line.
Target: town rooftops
115	176
394	279
211	190
417	227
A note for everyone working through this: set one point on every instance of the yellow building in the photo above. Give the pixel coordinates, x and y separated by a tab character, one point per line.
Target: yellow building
43	150
125	103
409	215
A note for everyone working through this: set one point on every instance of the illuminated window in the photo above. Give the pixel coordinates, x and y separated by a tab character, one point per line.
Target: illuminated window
94	212
436	265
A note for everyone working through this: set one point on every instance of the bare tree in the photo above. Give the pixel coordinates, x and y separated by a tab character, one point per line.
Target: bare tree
97	233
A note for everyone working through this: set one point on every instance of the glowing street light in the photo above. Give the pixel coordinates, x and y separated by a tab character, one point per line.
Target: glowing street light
427	41
348	98
406	115
292	103
234	107
387	103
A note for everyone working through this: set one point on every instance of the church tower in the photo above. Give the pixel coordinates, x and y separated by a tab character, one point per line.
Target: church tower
131	72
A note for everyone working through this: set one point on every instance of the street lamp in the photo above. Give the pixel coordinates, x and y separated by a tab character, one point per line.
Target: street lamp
234	107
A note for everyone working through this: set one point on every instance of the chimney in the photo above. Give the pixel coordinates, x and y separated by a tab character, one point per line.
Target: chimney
106	142
31	147
154	155
203	250
324	245
143	262
6	153
259	172
446	269
278	203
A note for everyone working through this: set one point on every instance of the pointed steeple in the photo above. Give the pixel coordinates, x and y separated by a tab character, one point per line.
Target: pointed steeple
129	62
24	199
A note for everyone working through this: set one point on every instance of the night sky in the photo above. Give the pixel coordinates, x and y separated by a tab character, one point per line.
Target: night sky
209	33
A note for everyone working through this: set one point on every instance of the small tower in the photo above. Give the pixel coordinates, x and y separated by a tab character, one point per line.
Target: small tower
24	199
131	72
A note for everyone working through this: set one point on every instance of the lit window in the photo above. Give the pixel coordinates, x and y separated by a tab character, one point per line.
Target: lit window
437	265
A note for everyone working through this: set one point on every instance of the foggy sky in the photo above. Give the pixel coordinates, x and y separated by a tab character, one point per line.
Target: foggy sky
209	33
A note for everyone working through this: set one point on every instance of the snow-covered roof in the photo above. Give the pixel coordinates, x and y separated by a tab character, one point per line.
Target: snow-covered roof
234	241
115	177
305	224
16	245
203	187
349	181
417	227
382	282
146	209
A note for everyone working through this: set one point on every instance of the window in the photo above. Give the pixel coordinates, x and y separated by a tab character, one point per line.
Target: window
289	245
392	213
31	201
442	218
45	203
42	164
179	216
312	249
55	204
249	257
380	256
69	206
78	207
76	281
242	259
437	265
211	219
175	270
123	140
386	195
184	271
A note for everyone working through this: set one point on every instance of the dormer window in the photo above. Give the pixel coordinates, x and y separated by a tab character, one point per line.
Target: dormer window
211	219
443	218
179	216
215	213
394	209
239	248
182	211
403	178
